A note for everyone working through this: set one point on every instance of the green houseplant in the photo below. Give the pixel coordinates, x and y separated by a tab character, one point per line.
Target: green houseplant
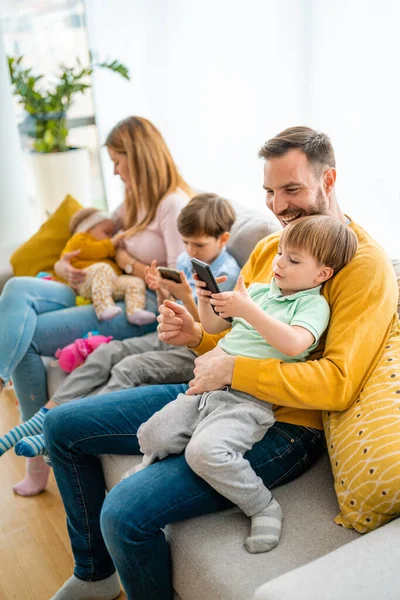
47	108
57	169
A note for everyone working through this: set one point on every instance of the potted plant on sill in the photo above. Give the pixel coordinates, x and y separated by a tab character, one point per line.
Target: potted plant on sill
57	168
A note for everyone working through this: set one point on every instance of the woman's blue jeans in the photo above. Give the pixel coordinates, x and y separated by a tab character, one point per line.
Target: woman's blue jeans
37	317
124	529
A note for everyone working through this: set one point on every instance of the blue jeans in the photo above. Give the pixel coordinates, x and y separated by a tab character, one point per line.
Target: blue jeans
37	317
124	529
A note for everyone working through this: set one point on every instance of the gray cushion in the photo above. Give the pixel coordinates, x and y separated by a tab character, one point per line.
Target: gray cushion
250	227
367	569
208	554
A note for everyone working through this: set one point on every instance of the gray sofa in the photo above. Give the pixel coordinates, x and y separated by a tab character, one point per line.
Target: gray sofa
316	559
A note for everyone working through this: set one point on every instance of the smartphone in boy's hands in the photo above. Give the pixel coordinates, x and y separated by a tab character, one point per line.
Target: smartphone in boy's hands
204	273
171	274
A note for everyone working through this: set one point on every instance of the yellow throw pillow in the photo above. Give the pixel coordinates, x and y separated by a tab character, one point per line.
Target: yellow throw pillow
364	447
396	266
43	249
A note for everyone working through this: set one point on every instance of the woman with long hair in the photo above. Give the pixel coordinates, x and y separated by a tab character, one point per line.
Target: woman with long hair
37	316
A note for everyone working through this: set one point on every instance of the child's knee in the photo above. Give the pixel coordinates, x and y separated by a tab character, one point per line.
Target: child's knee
198	454
148	436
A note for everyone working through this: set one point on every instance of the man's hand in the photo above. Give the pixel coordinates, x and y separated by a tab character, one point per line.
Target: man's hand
233	304
212	372
177	326
65	270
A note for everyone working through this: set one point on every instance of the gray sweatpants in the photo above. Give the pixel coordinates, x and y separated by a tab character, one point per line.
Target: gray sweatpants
127	364
216	428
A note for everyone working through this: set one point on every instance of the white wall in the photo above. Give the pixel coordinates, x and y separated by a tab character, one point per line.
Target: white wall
217	77
356	98
15	211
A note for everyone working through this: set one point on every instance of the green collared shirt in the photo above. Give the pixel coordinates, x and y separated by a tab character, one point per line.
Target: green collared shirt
306	309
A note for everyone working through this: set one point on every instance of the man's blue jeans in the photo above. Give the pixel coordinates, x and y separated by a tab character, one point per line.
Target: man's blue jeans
124	529
36	318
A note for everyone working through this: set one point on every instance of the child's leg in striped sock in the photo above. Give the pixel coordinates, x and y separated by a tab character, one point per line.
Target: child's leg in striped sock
31	427
265	529
30	446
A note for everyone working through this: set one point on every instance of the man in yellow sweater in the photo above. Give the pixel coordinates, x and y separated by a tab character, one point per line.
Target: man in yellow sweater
299	180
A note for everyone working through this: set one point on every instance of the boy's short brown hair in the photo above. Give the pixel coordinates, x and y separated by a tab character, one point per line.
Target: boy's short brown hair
206	214
329	241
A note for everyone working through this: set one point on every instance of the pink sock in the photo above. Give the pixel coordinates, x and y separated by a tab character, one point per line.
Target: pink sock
141	317
35	481
110	313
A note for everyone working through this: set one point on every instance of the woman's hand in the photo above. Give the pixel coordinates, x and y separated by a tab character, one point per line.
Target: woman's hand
204	295
65	270
123	258
177	326
233	304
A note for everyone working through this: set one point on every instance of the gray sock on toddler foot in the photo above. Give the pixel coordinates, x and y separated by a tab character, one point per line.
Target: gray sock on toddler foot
77	589
265	529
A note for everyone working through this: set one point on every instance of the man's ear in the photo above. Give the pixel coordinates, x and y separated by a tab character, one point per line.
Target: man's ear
223	239
329	180
324	274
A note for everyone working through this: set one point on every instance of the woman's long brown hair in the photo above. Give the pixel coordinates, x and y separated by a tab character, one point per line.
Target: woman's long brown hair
152	171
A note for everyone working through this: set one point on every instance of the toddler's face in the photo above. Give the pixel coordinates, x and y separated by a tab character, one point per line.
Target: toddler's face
296	270
103	230
204	247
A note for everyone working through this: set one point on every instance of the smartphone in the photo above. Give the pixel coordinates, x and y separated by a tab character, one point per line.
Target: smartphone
205	274
171	274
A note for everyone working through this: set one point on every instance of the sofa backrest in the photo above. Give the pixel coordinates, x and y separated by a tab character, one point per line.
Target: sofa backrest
250	227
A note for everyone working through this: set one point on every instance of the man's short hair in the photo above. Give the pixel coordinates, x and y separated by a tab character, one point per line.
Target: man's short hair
206	214
329	241
316	146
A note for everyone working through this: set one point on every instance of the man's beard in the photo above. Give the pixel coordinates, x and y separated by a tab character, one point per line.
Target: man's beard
320	207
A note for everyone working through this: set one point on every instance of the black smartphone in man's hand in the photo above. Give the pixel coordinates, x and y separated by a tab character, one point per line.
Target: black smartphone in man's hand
205	274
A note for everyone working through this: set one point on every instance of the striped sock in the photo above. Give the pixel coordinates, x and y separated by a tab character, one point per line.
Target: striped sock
30	446
265	529
31	427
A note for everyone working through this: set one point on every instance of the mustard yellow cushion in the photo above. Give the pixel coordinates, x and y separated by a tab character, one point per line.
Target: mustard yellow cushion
364	447
43	249
396	266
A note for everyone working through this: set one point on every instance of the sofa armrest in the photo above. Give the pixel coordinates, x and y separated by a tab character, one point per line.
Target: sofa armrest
366	568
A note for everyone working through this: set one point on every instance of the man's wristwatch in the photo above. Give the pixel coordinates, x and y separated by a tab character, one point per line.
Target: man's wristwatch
130	267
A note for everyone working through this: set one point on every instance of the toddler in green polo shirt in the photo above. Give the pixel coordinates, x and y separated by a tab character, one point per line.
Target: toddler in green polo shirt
284	319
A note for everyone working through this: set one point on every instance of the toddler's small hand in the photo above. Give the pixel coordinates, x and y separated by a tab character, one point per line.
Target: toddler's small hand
233	304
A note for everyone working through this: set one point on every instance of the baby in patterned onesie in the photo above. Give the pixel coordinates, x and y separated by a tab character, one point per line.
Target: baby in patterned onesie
93	235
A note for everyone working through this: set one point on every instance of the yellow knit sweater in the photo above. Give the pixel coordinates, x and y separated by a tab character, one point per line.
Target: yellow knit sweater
92	251
363	302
